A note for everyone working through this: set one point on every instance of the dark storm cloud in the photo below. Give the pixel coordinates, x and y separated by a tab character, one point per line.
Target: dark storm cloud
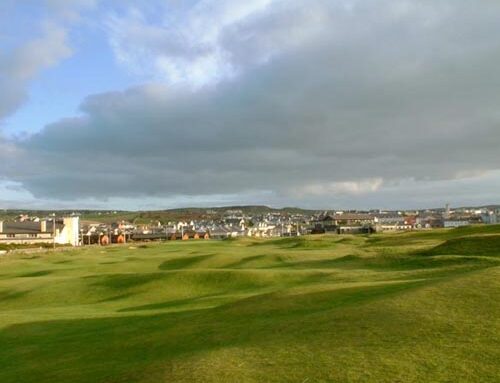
328	99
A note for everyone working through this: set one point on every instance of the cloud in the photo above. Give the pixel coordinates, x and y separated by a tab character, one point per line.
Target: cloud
340	188
211	41
28	50
69	11
183	44
299	101
20	66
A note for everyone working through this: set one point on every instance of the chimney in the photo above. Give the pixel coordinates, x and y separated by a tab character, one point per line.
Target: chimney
43	226
1	226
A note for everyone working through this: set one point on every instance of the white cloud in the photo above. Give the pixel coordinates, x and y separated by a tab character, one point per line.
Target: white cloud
70	10
212	41
40	44
38	54
20	66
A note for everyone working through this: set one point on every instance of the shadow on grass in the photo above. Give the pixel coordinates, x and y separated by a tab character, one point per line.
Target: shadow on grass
169	304
303	243
415	261
124	281
116	298
348	261
40	273
62	262
11	295
183	262
245	261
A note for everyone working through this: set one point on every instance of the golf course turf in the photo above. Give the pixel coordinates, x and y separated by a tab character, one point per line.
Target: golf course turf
404	307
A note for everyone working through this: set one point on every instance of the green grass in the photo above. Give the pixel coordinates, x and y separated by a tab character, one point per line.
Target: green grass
411	307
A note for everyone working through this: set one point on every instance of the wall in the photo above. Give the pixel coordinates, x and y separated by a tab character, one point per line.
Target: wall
70	233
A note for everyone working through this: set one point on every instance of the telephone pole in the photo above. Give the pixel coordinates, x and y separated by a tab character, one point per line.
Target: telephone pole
54	231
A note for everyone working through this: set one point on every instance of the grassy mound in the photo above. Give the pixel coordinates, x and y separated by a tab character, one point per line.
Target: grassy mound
484	246
310	242
412	238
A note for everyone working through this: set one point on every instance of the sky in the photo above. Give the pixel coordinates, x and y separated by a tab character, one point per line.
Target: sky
323	104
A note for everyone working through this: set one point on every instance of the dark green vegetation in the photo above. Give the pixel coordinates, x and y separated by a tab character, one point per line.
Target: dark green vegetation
416	307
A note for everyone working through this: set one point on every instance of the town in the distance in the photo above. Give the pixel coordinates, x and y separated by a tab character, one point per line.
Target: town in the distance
41	229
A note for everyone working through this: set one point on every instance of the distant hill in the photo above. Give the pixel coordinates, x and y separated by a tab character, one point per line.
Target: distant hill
188	213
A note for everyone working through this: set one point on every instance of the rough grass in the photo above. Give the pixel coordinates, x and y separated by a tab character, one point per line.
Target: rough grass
413	307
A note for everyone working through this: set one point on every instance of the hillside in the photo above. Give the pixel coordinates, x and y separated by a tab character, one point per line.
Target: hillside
193	213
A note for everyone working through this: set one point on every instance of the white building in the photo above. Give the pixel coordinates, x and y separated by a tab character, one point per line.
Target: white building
69	232
64	232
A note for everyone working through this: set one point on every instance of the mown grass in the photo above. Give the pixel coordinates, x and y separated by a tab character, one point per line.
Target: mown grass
413	307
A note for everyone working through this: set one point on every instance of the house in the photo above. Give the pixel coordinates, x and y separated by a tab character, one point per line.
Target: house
64	231
355	230
222	232
428	222
236	222
491	217
449	223
187	235
394	222
352	219
104	240
175	236
260	229
341	223
327	224
148	237
201	235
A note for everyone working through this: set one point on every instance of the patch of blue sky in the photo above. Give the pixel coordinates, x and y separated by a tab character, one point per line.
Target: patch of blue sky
58	91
